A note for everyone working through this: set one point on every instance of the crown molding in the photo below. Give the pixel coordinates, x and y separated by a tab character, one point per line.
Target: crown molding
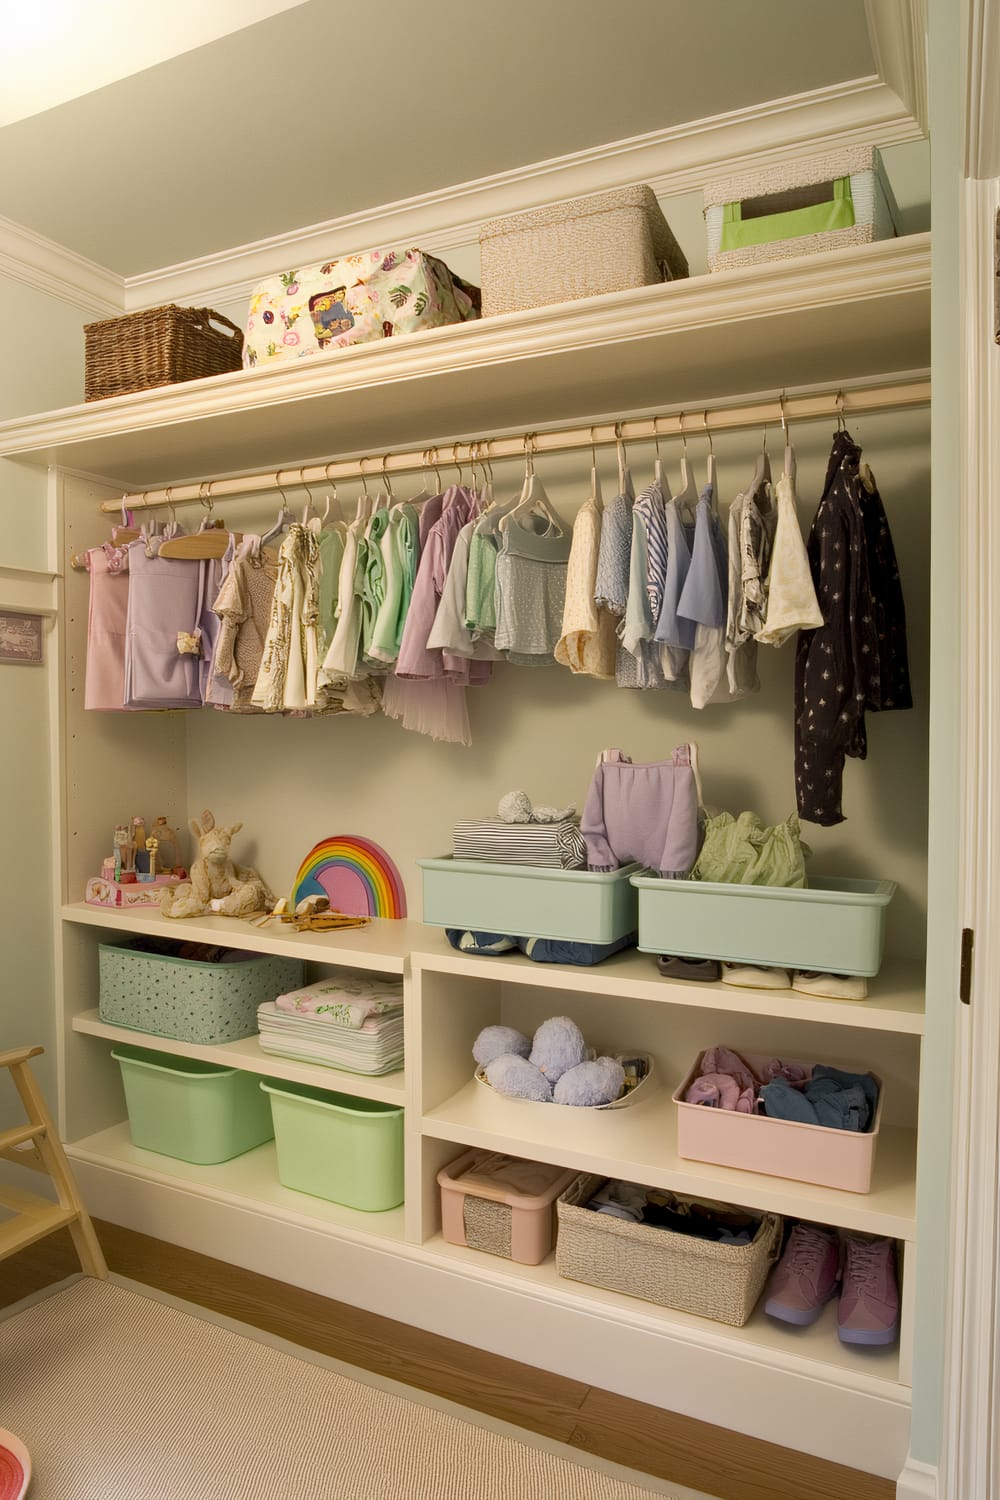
38	262
897	30
982	98
673	161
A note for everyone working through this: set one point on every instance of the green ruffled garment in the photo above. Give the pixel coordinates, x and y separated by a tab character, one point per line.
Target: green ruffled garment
742	851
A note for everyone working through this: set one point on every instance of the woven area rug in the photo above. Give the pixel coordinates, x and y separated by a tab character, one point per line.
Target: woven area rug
123	1396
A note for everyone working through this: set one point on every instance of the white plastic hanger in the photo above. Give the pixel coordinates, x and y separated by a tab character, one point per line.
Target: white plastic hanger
789	450
533	496
285	517
687	496
762	472
659	476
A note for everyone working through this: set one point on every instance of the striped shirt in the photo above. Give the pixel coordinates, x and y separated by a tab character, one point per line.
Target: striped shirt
554	846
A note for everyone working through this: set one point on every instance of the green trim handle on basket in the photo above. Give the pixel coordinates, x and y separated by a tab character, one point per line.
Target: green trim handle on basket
739	233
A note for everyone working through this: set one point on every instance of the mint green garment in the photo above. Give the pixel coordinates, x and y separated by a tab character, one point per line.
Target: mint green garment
331	554
838	213
741	851
374	581
400	552
480	586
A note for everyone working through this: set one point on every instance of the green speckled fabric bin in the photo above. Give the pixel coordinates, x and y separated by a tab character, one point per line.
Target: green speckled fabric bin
188	1000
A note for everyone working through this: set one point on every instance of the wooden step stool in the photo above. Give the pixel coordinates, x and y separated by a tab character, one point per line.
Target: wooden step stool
37	1145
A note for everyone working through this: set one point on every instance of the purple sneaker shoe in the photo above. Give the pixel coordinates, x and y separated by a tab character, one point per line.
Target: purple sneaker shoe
869	1300
806	1276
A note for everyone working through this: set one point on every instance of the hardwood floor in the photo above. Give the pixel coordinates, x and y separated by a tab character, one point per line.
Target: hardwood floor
674	1448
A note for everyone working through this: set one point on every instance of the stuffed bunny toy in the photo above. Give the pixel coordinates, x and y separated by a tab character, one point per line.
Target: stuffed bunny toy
216	884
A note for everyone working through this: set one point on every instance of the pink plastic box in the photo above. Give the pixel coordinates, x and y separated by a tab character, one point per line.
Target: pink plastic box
483	1208
778	1148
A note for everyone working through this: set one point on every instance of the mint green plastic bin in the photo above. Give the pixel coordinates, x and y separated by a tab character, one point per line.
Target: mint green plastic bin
197	1111
584	906
337	1147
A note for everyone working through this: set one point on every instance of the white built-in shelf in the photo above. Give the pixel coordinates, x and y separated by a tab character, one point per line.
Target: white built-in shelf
639	1144
815	1351
842	314
382	947
895	996
246	1054
249	1181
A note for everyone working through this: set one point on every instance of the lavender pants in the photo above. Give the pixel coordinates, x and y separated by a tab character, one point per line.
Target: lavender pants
646	812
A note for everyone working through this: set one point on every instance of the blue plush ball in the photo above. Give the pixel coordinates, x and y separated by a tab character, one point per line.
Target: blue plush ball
519	1078
590	1083
558	1046
499	1041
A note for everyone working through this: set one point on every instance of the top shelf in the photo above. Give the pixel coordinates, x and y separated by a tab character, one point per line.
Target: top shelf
839	315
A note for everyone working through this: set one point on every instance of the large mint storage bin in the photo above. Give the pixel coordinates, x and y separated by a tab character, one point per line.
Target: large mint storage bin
337	1147
580	906
194	1110
186	999
837	926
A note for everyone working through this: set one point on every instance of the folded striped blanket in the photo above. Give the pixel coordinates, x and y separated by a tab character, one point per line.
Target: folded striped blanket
554	846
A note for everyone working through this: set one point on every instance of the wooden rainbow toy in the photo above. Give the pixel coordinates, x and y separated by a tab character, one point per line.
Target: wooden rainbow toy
356	876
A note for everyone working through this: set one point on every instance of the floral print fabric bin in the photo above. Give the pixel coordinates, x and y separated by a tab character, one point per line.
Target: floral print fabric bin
360	298
186	999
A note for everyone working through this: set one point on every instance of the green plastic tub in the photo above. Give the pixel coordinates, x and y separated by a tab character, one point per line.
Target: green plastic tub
581	906
197	1111
836	926
337	1147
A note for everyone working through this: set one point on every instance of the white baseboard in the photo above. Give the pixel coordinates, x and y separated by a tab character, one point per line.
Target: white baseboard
918	1481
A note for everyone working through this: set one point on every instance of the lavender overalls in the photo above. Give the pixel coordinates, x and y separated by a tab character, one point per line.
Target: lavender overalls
646	812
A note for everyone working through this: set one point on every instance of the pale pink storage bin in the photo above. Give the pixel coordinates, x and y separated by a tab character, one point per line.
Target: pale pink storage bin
778	1148
488	1216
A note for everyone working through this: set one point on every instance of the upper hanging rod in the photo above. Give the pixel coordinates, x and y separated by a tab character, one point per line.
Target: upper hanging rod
842	401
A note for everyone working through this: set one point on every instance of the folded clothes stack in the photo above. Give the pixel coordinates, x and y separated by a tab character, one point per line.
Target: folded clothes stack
552	846
810	1095
348	1021
705	1221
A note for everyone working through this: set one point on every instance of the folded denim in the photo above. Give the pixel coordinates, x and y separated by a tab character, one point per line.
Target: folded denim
541	950
833	1098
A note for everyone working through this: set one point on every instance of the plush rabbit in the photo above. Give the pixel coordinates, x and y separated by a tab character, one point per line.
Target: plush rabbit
216	884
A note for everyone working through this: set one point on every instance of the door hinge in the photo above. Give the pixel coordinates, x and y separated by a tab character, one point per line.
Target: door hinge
965	967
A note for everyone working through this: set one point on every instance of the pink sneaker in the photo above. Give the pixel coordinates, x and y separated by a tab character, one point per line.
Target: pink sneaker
806	1276
869	1300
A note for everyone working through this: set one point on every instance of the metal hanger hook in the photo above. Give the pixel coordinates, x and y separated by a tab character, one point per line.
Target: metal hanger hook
206	501
330	481
841	424
385	476
784	419
620	444
454	459
364	477
680	428
170	503
656	437
708	432
593	450
281	492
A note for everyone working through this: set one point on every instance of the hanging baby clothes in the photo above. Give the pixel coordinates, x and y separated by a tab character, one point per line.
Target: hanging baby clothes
163	604
244	609
400	548
752	520
106	627
647	575
857	659
613	571
218	691
480	584
791	596
588	642
288	672
416	658
675	634
449	633
341	660
703	601
331	554
373	583
530	590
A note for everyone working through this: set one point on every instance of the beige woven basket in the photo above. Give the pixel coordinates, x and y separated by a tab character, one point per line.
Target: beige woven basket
711	1280
159	346
606	242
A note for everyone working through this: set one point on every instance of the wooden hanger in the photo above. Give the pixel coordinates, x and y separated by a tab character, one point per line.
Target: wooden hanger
212	540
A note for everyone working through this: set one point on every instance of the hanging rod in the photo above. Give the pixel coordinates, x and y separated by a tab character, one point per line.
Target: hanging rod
809	407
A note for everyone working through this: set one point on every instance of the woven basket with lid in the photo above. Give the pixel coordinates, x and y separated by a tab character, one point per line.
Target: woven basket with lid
606	242
158	346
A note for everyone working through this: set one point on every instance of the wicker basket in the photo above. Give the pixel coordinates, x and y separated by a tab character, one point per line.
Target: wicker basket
798	208
703	1277
606	242
160	346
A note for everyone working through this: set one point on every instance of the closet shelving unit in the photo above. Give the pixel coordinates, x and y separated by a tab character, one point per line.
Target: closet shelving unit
842	316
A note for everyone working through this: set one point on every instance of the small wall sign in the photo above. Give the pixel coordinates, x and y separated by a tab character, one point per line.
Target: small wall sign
21	639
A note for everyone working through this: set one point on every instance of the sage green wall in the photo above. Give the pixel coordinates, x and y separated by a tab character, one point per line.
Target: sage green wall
43	370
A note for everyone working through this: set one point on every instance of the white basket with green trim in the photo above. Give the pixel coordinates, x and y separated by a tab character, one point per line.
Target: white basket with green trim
798	208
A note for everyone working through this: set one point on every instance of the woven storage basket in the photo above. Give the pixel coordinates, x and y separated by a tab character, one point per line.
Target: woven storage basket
606	242
160	346
743	229
703	1277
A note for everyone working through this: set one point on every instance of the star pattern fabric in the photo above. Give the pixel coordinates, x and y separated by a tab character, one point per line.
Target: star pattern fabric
857	659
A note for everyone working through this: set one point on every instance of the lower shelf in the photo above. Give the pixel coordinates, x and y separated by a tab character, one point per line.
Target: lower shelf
248	1181
762	1338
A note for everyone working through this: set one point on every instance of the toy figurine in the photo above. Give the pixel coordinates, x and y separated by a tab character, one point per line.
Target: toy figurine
124	850
169	845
